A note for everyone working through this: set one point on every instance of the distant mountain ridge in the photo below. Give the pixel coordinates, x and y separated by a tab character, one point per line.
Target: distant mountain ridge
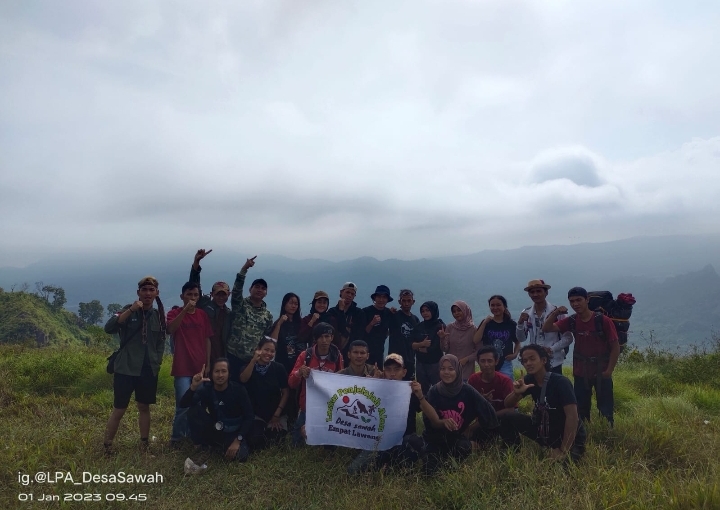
677	266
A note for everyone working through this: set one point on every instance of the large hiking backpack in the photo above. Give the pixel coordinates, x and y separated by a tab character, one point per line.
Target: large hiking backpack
619	310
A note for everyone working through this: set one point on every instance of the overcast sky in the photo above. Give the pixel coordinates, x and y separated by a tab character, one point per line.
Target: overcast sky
335	129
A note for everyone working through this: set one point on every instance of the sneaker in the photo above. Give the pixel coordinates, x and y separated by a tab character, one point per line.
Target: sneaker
191	468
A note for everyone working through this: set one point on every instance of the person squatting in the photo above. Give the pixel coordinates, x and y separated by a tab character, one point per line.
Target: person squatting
240	376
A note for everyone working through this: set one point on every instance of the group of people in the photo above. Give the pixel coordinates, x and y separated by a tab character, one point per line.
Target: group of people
240	376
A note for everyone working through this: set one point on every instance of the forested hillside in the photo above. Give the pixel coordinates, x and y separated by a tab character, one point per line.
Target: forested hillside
29	319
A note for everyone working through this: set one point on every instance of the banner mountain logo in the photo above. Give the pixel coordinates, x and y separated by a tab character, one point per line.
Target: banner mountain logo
357	412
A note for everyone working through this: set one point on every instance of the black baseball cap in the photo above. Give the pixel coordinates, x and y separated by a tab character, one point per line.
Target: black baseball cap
260	282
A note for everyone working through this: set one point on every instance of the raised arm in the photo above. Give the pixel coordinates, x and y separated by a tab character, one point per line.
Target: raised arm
237	290
520	332
116	322
480	331
427	409
550	326
247	372
519	389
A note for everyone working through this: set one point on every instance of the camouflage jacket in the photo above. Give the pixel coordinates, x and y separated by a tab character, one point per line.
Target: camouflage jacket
249	322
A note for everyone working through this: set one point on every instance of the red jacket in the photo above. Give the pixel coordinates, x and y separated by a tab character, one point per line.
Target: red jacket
333	363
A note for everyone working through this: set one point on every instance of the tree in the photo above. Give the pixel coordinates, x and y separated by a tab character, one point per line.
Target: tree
99	338
59	298
92	312
113	308
42	290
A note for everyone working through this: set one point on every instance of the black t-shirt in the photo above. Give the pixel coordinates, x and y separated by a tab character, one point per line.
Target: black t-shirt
265	390
502	336
427	329
350	322
376	338
288	347
463	408
558	394
233	402
401	326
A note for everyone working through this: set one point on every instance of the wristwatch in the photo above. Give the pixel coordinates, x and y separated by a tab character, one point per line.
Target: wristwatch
239	438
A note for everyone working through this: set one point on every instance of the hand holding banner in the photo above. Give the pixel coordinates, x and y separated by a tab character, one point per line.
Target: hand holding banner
357	412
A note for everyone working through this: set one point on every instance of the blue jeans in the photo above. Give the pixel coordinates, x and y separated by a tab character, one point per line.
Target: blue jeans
180	427
603	396
507	369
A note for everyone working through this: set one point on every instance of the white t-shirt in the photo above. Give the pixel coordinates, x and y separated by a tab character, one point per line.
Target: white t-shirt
532	331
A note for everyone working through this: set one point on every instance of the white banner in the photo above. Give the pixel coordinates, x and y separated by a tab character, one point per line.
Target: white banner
357	412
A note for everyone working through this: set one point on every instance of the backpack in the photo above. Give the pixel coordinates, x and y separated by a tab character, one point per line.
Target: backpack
618	310
540	415
337	355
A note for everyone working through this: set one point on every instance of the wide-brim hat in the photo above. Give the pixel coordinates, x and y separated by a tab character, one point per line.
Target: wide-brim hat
381	289
532	284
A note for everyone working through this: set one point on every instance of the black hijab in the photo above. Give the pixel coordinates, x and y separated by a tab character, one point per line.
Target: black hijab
452	389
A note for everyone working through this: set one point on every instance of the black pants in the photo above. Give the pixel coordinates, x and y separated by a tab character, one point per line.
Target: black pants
262	437
603	394
440	447
515	424
204	433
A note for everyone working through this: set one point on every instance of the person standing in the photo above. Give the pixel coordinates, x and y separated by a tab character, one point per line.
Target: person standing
377	323
349	318
530	325
286	330
191	331
500	331
595	355
402	323
426	344
215	306
457	338
319	312
251	319
141	329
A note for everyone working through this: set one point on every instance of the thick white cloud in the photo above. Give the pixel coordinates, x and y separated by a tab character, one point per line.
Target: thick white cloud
335	129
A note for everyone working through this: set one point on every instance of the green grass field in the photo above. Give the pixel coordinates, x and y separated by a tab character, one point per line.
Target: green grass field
664	451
